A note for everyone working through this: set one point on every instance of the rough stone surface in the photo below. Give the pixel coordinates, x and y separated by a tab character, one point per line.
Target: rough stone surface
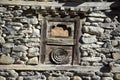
6	59
33	60
20	48
76	78
89	38
94	19
20	30
93	30
116	56
92	59
13	73
107	78
2	78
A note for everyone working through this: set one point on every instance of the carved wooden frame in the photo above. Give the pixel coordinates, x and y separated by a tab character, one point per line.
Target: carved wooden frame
75	52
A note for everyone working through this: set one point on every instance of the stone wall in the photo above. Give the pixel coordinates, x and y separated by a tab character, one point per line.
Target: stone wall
19	35
57	75
100	39
20	44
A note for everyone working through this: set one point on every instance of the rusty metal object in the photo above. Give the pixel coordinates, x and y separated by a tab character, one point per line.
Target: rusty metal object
59	56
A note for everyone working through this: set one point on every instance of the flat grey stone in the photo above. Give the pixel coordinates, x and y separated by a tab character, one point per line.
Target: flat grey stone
96	77
97	14
94	19
20	48
93	30
12	73
107	74
107	78
34	20
33	49
91	59
2	9
8	45
89	38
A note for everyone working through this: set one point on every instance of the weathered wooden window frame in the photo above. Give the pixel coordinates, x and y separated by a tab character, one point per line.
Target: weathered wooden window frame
76	55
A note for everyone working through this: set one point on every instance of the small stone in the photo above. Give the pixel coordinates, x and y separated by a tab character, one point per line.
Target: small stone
4	73
96	77
16	24
16	28
86	78
2	40
24	20
91	59
87	23
16	54
107	78
86	46
70	74
114	43
6	50
116	56
99	73
85	63
95	24
51	78
11	78
19	62
89	38
36	32
20	48
108	20
63	78
94	19
20	78
6	59
33	61
34	20
86	73
23	73
33	49
107	74
97	14
77	78
2	78
32	39
31	44
117	76
97	64
2	9
93	30
33	54
84	54
8	45
12	73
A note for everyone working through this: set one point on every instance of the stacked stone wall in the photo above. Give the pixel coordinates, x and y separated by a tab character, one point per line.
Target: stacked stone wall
100	39
57	75
19	35
20	44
